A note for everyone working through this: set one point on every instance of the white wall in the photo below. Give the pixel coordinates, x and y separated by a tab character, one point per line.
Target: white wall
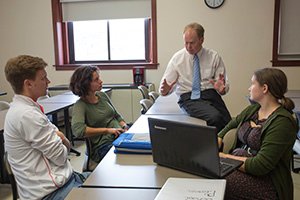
241	31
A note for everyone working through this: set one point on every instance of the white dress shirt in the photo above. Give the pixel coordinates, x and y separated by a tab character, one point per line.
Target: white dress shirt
181	66
36	154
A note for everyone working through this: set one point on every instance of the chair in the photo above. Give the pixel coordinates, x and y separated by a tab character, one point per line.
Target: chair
296	156
151	87
296	147
11	177
4	105
146	104
88	164
153	95
144	90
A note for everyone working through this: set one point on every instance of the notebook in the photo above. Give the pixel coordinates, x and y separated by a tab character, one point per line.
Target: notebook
188	147
133	143
192	188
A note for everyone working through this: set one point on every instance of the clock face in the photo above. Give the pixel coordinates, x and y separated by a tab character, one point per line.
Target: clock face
214	3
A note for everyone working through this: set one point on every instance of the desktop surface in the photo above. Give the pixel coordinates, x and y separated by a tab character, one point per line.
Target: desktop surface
141	124
131	171
112	193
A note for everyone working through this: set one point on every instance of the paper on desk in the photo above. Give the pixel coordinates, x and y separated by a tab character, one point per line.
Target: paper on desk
141	137
192	189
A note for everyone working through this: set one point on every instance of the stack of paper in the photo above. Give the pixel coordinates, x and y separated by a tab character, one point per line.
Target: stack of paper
192	189
133	143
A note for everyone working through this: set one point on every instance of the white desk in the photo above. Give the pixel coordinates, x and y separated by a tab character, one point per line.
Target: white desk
136	170
61	98
53	108
131	171
166	105
141	124
112	194
171	98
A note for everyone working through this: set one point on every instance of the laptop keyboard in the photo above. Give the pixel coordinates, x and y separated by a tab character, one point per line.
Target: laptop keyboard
225	166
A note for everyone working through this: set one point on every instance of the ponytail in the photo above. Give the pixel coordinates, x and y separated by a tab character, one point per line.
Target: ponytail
287	103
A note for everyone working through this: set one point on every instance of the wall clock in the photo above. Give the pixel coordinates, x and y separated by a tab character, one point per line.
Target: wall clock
214	3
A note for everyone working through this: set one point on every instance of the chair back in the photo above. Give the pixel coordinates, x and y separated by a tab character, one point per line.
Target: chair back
89	165
153	95
296	115
144	90
4	105
229	140
146	104
296	147
11	177
151	87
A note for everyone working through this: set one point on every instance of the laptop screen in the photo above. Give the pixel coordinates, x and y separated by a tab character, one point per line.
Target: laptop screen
188	147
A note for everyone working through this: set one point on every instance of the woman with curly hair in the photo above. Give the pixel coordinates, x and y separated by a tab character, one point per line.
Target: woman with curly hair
94	115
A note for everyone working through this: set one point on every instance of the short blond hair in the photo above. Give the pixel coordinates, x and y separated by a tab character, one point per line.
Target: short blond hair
20	68
195	26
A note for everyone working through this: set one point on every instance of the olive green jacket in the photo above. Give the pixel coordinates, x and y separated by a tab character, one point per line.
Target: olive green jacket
277	140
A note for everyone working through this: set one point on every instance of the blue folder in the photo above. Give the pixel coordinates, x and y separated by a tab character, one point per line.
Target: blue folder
133	143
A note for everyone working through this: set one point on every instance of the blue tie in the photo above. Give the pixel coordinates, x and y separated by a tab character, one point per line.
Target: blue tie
196	89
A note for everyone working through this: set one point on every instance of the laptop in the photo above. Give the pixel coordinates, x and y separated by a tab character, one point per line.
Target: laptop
188	147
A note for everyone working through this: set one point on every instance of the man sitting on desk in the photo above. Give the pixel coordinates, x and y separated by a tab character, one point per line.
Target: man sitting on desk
37	150
200	78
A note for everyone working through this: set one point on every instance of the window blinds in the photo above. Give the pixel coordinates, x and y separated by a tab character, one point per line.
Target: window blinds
289	32
80	10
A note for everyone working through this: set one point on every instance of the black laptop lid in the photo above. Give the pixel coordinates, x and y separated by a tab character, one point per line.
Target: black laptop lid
188	147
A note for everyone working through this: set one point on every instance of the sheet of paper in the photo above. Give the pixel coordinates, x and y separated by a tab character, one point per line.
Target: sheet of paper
141	137
192	189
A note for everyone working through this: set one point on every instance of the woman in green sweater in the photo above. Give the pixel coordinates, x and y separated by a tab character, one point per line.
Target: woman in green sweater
94	115
266	132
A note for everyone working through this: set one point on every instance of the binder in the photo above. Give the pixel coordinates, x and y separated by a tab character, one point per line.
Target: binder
133	143
192	188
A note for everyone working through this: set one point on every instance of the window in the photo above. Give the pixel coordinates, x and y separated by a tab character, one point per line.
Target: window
98	41
286	37
108	40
